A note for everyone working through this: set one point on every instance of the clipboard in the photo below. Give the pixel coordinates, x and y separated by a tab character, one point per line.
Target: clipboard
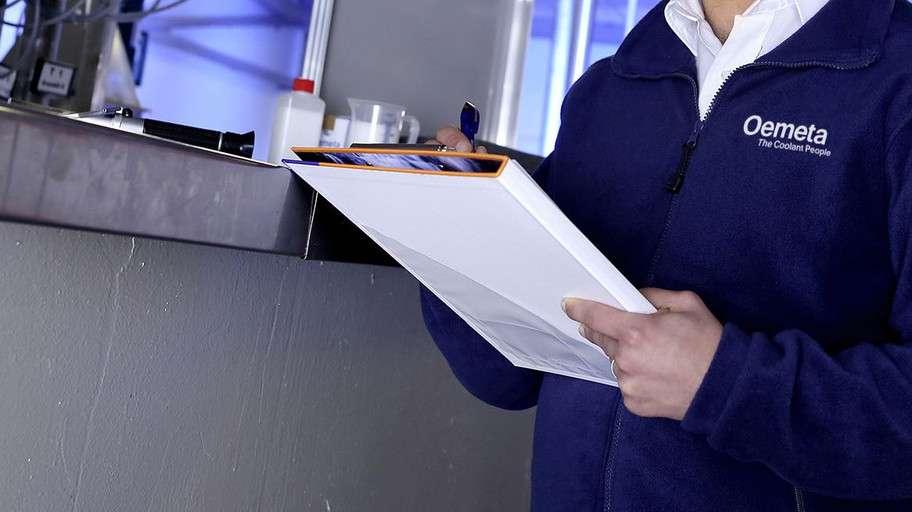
479	233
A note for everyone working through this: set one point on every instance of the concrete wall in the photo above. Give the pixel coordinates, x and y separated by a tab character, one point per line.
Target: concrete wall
145	375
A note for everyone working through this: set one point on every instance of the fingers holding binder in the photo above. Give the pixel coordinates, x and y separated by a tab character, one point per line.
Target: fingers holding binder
661	358
453	137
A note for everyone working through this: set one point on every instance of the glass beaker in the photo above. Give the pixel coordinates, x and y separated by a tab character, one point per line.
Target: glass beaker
378	122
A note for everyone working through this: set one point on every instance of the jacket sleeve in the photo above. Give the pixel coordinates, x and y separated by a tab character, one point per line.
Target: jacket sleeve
478	366
837	424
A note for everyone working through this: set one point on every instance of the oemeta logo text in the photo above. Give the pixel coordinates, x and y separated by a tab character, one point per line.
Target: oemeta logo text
787	136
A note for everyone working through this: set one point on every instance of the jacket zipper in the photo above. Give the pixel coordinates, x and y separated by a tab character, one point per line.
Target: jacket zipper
612	454
676	181
799	499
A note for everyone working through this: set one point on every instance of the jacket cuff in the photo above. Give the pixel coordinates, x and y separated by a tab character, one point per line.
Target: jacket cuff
712	397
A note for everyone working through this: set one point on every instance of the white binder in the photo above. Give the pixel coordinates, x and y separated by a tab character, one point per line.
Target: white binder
480	234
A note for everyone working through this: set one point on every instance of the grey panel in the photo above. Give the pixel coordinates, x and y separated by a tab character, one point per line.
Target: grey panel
147	375
427	55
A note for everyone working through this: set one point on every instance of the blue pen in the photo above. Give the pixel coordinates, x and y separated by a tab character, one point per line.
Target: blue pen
468	122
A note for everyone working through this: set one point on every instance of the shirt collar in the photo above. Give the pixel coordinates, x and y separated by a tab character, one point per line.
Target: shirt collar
693	9
808	8
845	33
684	16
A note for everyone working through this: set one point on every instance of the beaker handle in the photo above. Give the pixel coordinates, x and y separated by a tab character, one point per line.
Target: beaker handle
412	127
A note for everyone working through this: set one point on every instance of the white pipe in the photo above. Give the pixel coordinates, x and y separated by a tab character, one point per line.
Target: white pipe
507	74
631	16
582	30
560	59
317	39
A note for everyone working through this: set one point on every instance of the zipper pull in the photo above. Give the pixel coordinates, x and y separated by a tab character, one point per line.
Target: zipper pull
676	181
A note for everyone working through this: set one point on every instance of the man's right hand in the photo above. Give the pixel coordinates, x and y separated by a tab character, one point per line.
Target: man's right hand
454	138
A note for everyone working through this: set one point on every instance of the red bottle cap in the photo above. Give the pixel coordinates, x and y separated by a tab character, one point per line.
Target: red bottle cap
301	84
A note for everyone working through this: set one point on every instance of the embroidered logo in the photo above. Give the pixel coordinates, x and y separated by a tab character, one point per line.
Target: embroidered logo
787	136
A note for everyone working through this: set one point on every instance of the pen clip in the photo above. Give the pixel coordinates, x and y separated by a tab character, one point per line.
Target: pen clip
468	122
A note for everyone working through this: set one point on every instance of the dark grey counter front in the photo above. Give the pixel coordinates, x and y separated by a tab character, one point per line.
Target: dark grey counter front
64	172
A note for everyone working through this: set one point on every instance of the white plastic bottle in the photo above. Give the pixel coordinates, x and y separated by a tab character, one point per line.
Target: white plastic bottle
298	121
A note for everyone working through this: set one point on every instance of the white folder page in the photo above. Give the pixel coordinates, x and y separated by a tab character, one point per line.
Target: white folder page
492	246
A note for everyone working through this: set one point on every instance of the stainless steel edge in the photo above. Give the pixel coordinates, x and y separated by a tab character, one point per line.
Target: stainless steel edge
64	172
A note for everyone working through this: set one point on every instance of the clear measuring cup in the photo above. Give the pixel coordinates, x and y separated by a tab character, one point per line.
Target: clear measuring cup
378	122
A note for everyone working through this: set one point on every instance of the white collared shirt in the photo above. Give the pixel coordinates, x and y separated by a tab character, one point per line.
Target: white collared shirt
760	29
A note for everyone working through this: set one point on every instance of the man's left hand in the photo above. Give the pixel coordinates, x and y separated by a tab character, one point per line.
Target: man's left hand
661	358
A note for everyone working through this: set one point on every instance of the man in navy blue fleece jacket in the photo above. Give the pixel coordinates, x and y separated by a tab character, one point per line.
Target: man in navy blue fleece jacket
777	246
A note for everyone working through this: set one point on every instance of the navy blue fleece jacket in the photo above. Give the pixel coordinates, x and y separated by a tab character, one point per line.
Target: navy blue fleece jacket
792	220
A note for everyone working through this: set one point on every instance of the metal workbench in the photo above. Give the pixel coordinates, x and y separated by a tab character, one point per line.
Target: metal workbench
63	172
